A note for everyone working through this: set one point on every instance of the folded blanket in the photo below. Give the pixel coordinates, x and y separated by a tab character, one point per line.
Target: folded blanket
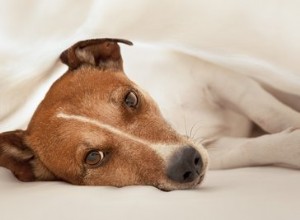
258	38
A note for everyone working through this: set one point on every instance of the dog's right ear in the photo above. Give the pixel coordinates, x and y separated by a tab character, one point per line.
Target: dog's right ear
102	53
16	156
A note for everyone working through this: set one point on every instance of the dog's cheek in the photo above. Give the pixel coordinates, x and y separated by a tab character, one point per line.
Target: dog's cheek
134	166
41	172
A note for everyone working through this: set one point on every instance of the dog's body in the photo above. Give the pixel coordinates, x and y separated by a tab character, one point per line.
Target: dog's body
240	120
94	115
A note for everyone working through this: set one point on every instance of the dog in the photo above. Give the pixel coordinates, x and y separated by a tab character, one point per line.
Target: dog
96	127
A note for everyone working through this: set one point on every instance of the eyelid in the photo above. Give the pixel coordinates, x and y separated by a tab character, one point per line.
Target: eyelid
118	95
102	154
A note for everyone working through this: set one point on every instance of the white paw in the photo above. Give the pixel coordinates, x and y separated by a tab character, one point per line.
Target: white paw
225	156
289	148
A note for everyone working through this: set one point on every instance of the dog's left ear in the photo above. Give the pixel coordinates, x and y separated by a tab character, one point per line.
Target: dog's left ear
16	156
103	53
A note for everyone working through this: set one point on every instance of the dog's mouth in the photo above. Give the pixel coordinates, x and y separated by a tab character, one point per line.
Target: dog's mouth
183	186
198	181
201	178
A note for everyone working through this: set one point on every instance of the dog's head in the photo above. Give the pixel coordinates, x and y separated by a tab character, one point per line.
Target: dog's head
96	127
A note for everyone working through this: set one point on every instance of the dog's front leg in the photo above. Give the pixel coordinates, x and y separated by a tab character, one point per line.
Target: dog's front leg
249	98
282	149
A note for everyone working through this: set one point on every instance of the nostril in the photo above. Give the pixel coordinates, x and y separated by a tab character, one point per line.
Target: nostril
196	161
186	175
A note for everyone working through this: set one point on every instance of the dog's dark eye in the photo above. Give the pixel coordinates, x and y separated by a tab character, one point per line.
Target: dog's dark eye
94	157
131	100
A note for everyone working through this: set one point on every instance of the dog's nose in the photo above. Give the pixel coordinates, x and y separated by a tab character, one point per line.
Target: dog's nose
185	165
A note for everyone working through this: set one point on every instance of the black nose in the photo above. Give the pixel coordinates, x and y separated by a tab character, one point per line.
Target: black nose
185	165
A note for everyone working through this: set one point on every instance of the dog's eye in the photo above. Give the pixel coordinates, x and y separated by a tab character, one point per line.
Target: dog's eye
131	100
94	157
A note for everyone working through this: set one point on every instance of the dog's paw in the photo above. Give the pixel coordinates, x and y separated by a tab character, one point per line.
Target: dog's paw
289	148
225	155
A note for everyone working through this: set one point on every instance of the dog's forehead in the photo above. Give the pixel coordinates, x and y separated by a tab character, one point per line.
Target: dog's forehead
86	86
94	78
89	84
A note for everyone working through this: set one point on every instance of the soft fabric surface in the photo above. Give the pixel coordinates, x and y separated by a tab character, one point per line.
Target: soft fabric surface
259	38
249	193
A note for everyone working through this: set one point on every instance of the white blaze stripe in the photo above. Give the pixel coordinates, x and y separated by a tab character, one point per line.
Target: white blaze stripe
103	126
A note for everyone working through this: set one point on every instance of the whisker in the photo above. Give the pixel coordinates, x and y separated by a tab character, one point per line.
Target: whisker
197	129
191	130
199	139
186	133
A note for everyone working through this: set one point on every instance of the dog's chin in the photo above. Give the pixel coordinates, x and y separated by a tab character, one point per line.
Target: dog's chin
167	187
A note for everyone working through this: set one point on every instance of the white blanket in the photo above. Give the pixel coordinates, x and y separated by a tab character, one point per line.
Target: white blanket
250	193
259	38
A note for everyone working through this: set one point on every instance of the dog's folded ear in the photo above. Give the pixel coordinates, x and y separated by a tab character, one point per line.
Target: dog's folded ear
20	159
103	53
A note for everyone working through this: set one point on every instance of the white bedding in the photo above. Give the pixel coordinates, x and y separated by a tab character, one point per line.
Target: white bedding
259	38
249	193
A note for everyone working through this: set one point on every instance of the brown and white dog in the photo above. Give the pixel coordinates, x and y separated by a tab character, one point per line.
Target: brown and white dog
96	127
